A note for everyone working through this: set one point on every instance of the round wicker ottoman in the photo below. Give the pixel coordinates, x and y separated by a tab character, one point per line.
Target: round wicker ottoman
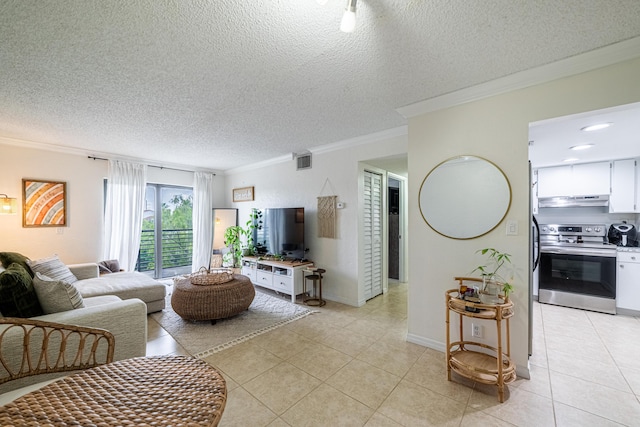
211	302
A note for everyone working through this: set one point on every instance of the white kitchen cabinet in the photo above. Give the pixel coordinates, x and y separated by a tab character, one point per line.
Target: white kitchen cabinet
623	187
554	181
575	180
591	179
628	281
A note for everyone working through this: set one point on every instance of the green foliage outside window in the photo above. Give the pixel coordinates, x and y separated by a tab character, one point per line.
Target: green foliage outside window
177	235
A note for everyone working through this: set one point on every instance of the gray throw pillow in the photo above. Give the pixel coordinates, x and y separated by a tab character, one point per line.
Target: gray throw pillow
53	268
56	295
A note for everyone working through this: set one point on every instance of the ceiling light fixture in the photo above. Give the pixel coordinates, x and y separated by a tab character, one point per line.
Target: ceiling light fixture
572	159
598	126
581	147
348	23
8	205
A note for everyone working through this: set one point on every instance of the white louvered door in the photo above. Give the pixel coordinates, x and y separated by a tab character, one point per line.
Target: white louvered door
372	234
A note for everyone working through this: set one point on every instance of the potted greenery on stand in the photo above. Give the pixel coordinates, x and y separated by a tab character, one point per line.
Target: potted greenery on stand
490	271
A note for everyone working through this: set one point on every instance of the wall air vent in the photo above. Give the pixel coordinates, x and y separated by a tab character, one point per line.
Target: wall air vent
303	161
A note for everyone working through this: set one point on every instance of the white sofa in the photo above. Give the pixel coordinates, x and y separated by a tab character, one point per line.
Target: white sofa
117	302
125	319
125	285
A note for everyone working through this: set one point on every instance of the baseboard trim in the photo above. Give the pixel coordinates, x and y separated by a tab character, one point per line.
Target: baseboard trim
426	342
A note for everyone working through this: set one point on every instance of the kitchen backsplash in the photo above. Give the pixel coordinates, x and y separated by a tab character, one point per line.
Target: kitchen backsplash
588	215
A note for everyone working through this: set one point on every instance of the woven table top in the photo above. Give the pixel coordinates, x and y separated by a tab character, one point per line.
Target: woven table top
144	391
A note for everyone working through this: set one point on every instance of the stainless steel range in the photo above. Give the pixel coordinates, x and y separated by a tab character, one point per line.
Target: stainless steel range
577	267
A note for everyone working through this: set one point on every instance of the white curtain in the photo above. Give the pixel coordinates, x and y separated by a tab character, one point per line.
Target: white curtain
202	220
124	208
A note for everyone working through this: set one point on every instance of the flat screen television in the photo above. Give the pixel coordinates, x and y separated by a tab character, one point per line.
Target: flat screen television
279	231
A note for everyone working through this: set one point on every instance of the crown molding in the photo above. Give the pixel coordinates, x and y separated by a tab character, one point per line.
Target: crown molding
100	155
23	143
260	165
335	146
598	58
362	140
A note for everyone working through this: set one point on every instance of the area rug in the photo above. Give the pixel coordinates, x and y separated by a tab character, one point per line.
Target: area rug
201	338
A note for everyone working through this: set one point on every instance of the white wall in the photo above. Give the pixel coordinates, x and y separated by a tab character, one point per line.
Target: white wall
495	128
81	239
332	173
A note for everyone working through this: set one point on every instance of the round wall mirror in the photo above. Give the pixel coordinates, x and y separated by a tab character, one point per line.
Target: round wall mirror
464	197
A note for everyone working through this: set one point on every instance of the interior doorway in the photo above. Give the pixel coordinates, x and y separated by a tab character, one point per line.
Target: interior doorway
566	142
373	234
396	223
393	171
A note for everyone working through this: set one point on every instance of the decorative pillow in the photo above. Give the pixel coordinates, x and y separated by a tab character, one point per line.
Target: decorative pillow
8	258
53	268
56	295
17	296
109	266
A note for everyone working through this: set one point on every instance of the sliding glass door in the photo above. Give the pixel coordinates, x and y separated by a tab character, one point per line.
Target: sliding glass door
166	244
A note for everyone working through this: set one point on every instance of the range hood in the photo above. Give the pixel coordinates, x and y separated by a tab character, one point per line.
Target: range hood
573	201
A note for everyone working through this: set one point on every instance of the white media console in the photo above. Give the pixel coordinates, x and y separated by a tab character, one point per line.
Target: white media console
286	277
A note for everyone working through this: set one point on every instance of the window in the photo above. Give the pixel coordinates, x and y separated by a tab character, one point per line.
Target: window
166	244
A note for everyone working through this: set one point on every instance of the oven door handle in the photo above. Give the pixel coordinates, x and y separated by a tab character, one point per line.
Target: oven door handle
583	251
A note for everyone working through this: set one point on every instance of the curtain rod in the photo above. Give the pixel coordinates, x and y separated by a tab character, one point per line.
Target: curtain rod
151	166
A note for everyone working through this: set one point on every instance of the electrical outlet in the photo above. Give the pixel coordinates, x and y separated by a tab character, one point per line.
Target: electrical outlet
476	330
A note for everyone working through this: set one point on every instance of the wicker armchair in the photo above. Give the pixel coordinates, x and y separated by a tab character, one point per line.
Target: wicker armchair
49	347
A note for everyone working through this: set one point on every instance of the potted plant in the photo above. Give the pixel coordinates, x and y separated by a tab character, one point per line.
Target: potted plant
490	270
233	239
254	223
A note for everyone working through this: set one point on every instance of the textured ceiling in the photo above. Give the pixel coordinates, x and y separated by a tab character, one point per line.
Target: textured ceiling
220	84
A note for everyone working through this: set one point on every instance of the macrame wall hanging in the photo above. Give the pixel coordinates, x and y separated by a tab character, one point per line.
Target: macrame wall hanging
327	213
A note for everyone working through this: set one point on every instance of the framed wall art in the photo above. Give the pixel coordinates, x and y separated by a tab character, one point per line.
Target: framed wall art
44	203
244	194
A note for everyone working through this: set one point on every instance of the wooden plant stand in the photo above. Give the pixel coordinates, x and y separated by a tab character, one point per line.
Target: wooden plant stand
474	360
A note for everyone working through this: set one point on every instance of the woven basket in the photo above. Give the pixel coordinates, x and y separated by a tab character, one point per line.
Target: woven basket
214	276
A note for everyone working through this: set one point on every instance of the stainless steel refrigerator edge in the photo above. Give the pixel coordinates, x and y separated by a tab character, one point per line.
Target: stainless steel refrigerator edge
534	257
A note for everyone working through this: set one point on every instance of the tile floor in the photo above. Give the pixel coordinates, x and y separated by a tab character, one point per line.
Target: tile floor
348	366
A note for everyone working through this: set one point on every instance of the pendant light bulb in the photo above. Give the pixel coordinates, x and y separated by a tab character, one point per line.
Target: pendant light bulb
348	23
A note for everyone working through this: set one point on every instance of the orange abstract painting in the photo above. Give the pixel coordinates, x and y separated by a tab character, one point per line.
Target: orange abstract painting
45	203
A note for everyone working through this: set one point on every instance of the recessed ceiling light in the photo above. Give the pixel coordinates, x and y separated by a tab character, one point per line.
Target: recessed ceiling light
572	159
598	126
581	147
